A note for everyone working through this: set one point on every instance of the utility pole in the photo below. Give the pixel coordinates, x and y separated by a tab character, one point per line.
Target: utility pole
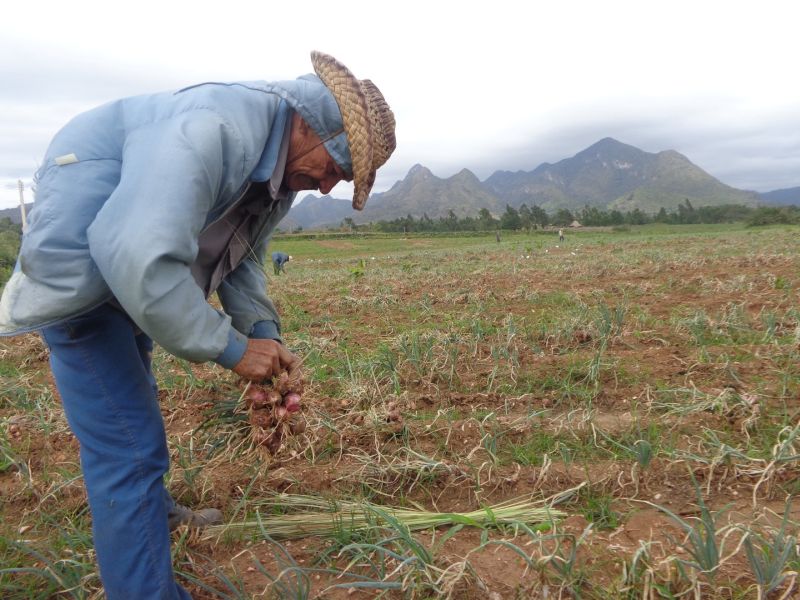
21	187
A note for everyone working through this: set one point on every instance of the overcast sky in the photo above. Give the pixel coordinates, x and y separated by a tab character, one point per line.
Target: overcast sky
479	85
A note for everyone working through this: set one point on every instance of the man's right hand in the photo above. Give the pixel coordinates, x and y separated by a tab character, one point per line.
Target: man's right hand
265	359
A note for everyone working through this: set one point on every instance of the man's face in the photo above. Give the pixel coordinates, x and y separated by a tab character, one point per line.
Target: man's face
308	165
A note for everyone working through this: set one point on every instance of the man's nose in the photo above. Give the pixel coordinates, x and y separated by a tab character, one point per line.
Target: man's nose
326	185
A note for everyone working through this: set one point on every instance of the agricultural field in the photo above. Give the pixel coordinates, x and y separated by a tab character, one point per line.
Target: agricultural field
617	416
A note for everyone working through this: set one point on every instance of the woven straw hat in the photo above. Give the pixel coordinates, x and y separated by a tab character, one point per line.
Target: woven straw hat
368	122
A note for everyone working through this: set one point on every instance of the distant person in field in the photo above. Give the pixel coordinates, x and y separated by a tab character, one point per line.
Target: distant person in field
561	235
279	260
144	208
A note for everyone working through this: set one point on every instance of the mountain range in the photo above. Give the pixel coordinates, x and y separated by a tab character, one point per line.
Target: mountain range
782	197
607	174
14	214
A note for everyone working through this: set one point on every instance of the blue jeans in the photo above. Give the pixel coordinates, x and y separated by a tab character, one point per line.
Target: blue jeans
101	364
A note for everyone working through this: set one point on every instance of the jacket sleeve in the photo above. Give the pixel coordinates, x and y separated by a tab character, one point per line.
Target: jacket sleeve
144	238
243	294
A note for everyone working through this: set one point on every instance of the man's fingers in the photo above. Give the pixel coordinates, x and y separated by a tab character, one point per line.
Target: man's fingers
275	365
289	360
285	355
265	359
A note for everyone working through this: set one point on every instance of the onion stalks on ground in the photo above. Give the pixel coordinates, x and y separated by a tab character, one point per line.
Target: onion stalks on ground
312	516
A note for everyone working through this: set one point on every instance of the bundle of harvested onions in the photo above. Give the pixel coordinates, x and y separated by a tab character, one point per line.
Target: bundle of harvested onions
272	407
310	516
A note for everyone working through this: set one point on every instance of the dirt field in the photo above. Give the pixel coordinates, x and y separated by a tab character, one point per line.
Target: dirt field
646	384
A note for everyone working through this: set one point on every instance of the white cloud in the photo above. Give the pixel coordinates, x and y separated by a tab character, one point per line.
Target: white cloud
477	85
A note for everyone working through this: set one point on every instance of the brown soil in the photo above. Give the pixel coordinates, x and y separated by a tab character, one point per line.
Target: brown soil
450	422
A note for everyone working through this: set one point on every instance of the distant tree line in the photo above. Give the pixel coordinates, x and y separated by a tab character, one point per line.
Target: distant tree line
528	218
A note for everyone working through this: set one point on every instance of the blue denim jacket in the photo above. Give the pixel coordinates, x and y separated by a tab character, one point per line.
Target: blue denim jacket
126	189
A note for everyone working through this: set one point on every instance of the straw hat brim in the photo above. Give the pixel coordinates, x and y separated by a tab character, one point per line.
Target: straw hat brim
352	101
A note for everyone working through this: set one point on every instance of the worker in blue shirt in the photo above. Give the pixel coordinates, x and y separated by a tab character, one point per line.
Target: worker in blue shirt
279	259
145	208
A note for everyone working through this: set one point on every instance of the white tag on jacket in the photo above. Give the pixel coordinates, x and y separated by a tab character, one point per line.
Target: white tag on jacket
66	159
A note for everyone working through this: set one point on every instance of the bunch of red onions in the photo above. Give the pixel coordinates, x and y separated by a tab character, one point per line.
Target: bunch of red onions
273	410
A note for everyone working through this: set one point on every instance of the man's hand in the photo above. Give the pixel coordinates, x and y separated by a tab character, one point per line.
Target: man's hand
265	359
